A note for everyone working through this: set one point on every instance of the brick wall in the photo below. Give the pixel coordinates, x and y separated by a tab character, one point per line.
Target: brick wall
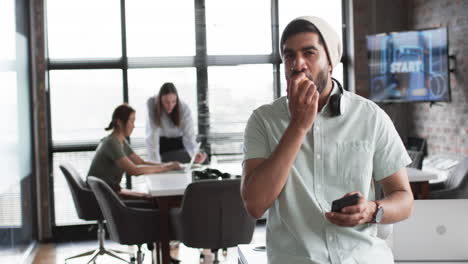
372	17
445	125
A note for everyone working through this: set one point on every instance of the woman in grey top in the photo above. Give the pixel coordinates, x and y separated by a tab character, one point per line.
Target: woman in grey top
170	134
114	156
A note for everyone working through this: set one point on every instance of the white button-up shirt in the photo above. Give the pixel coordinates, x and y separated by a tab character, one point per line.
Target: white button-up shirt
168	129
340	154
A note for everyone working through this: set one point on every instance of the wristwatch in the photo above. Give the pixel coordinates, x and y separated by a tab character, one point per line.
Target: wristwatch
379	213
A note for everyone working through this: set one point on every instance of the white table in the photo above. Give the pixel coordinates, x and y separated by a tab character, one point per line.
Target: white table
247	254
415	175
174	183
419	181
168	188
168	183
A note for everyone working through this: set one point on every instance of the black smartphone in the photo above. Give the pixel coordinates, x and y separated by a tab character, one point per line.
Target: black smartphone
339	204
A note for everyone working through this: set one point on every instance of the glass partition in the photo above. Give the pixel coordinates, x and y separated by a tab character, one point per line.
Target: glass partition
16	190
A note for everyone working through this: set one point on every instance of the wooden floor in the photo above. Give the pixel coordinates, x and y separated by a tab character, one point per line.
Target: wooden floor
57	253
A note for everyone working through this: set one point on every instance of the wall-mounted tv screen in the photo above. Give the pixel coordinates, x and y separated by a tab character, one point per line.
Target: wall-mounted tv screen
409	66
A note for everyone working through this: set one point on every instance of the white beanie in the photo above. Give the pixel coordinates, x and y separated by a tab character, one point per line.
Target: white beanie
333	45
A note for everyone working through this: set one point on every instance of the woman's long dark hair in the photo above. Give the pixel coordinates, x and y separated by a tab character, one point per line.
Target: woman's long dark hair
122	113
167	88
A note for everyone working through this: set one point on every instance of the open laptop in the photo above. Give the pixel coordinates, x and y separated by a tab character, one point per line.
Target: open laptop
187	167
436	231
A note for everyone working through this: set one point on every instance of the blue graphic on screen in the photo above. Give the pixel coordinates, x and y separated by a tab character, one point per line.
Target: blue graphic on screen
409	66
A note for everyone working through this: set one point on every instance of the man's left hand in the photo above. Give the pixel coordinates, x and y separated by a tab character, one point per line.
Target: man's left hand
349	216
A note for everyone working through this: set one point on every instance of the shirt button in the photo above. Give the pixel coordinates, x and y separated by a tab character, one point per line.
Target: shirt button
318	156
317	128
330	238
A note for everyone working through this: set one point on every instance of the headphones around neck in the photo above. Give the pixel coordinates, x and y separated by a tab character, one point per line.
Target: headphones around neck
335	100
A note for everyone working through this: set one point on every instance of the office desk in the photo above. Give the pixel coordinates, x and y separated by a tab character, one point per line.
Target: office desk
419	181
247	255
431	262
168	188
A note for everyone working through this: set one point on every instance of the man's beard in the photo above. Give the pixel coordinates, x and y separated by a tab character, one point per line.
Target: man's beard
320	81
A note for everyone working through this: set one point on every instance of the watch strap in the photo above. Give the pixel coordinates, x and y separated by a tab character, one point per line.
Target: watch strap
377	208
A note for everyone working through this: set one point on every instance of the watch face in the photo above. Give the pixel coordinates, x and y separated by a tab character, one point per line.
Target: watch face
379	214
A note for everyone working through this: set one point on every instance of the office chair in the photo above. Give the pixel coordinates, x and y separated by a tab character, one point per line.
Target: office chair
127	225
456	185
212	216
87	209
417	150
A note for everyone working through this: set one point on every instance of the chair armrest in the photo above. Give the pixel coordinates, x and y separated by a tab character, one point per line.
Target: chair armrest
140	204
141	216
437	186
445	194
142	211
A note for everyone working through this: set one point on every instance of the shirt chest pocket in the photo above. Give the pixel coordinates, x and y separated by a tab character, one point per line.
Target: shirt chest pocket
355	163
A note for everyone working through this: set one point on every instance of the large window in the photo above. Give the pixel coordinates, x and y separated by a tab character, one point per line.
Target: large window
160	28
145	83
234	29
221	55
10	207
82	102
16	205
7	31
83	29
248	87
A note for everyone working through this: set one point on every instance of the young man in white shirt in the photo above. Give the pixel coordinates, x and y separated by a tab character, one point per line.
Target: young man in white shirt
318	144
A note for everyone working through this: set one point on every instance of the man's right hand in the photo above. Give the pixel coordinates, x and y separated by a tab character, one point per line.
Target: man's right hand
303	101
274	170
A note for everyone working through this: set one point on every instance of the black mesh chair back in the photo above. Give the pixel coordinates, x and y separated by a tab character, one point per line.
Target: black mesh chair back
213	216
85	202
456	185
88	209
458	175
126	225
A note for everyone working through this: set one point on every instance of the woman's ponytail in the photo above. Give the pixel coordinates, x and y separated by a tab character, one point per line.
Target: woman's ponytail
122	113
110	126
